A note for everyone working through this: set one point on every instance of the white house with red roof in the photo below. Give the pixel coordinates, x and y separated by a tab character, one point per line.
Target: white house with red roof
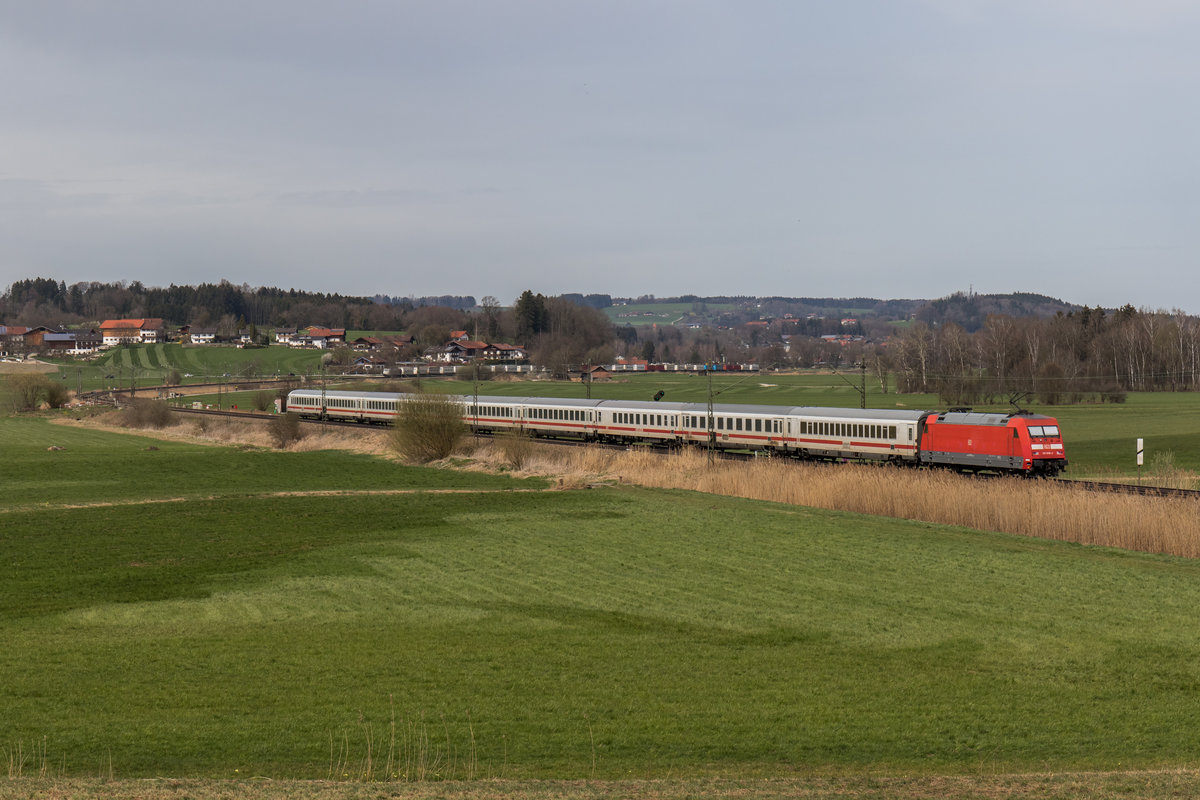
132	331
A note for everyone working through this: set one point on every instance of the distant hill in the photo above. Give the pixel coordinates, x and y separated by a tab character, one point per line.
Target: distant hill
970	311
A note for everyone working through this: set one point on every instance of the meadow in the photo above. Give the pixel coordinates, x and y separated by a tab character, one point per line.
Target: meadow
177	609
152	364
642	314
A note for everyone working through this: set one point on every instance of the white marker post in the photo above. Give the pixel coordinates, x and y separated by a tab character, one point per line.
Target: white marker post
1140	457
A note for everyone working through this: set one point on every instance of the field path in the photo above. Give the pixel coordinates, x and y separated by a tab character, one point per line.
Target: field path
262	495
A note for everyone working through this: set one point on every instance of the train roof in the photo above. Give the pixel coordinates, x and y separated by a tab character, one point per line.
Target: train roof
986	418
889	414
335	393
886	414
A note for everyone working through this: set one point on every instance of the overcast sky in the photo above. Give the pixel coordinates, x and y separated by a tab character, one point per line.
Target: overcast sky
889	148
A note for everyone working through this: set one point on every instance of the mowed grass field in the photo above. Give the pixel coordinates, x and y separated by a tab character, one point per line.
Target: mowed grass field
151	364
171	609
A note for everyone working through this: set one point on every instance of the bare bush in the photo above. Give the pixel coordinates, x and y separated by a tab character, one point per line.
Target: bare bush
428	427
264	400
285	429
517	447
27	391
144	413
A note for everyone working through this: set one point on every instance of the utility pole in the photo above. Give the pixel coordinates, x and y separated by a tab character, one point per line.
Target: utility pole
863	383
475	409
861	388
712	430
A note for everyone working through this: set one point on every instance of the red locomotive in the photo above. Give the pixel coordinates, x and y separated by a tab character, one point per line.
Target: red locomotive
970	442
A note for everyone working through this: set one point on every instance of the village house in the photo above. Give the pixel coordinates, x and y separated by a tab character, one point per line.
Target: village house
12	339
508	353
71	343
461	350
368	343
318	337
132	331
203	335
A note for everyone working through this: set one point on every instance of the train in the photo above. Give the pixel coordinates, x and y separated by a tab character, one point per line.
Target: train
960	439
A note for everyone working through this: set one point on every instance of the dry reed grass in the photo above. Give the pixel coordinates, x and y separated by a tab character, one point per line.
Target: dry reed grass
1042	509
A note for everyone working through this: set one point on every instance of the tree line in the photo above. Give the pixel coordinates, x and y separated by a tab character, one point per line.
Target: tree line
1090	354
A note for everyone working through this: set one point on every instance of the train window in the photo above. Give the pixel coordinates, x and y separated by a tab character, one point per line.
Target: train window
720	423
1051	430
758	425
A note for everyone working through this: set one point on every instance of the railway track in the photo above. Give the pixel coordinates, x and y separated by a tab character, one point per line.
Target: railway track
1090	486
1131	488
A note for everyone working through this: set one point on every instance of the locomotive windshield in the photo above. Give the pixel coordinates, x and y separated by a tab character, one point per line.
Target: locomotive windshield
1043	431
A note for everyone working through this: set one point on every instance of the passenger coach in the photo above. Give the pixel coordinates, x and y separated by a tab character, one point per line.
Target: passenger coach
1030	444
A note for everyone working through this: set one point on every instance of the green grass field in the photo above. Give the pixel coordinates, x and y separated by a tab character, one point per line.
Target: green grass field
151	364
639	314
168	612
